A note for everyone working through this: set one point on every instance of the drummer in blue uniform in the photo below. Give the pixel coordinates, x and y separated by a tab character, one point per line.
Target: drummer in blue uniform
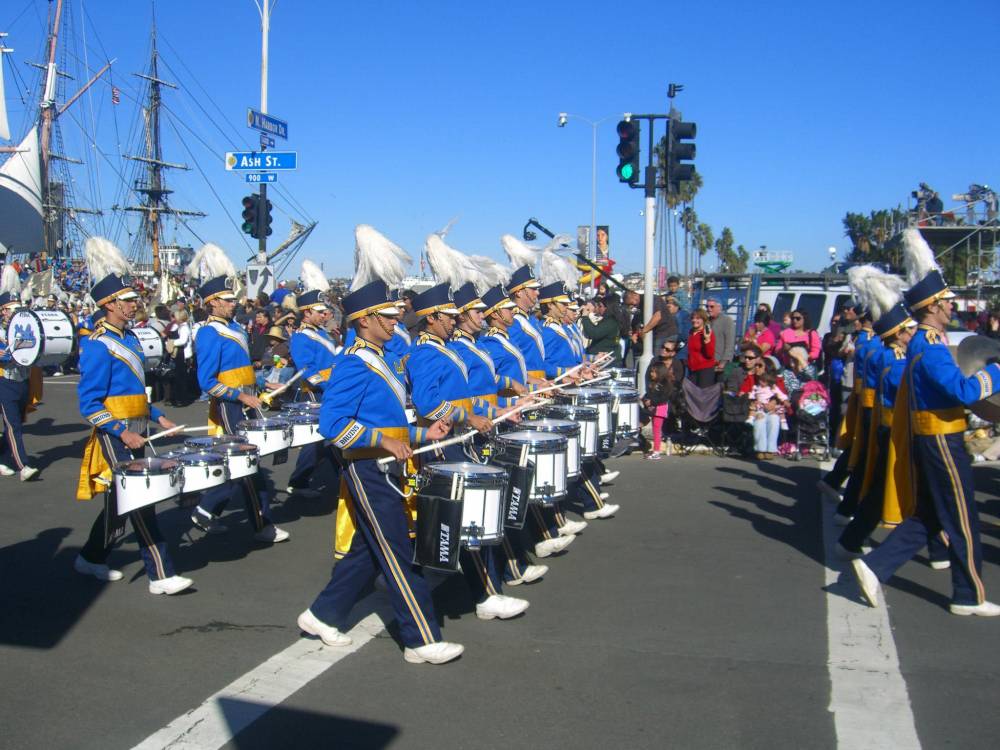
313	352
487	383
14	388
929	420
112	398
364	414
440	390
510	362
525	330
226	374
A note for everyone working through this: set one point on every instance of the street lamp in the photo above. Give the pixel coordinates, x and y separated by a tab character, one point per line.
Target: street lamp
564	117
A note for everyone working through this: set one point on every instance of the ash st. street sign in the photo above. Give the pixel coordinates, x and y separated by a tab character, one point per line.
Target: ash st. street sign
257	160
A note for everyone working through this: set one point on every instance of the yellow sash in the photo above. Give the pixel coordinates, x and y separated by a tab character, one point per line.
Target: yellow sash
858	444
845	434
346	523
490	398
34	388
871	452
899	500
239	377
540	374
95	472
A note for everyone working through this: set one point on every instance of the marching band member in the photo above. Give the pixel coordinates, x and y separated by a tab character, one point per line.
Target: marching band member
313	352
866	359
929	420
525	331
112	397
226	374
441	391
363	413
14	388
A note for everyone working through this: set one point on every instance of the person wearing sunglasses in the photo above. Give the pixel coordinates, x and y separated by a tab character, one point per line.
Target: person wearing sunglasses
799	334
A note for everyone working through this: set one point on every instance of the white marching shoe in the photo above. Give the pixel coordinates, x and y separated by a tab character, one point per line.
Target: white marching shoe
500	606
548	547
606	511
207	522
28	473
100	572
433	653
271	533
986	609
6	471
572	527
605	495
940	564
311	625
609	476
867	580
531	574
169	586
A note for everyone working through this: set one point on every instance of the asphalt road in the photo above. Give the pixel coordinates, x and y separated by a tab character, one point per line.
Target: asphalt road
697	618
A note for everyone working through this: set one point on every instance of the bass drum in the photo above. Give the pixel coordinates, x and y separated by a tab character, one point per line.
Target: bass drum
152	347
40	338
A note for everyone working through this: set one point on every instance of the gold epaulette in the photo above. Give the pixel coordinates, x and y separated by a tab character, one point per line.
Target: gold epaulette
933	336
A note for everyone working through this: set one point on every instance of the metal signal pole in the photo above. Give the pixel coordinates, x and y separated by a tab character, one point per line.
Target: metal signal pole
264	6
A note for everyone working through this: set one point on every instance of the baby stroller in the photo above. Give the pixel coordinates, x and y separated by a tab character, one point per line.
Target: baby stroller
812	421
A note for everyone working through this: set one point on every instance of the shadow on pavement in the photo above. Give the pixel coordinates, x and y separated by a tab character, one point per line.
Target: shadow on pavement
262	727
43	597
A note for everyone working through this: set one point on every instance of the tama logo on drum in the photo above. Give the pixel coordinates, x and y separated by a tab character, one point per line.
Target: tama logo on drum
513	510
444	548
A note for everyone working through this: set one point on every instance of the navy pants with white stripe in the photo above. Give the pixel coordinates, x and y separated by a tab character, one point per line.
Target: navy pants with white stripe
13	406
381	544
147	532
944	501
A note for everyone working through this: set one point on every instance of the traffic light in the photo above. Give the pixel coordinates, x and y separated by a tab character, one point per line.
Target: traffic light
250	208
628	151
680	150
265	219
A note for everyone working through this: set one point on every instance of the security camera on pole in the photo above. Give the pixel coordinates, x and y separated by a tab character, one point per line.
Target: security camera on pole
679	149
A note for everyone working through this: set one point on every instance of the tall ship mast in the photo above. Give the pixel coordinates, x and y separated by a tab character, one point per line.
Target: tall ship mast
146	250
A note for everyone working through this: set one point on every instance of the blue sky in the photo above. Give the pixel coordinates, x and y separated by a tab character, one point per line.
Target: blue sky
405	115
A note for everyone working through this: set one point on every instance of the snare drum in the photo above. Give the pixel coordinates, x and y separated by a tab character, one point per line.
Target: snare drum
602	399
269	435
305	428
626	407
301	407
547	453
241	457
566	428
481	491
152	347
40	338
143	481
202	470
624	376
585	416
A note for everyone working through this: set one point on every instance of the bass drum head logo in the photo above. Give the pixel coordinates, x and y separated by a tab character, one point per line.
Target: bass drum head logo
24	338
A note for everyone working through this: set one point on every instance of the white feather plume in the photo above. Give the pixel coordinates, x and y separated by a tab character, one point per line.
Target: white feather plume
10	282
449	265
210	262
918	258
104	259
560	243
556	268
491	273
875	289
313	278
519	253
377	257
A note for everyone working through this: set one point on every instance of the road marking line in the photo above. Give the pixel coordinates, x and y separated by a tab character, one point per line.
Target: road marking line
207	727
868	696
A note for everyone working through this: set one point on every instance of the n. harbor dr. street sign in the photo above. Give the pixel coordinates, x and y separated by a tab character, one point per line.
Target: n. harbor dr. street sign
266	123
257	161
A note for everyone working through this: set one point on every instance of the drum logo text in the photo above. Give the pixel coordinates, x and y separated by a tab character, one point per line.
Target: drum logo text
514	508
444	551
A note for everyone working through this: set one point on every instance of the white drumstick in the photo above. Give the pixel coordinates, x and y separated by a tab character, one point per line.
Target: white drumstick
270	395
557	387
164	433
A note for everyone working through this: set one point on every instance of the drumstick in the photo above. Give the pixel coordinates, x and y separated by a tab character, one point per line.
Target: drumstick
557	387
164	433
270	395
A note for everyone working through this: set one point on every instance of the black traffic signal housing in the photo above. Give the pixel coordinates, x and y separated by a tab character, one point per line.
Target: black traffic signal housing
680	150
628	151
265	219
250	218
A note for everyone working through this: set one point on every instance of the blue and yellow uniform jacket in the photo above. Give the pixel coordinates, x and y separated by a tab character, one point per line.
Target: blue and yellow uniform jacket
365	401
112	389
224	366
395	350
439	382
892	365
560	354
313	352
526	333
507	358
577	339
112	380
484	381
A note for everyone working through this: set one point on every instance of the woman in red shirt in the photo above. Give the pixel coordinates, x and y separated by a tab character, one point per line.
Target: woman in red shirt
701	351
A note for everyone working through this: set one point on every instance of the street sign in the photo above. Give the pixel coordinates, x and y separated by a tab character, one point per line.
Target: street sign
260	160
260	278
266	141
266	123
258	177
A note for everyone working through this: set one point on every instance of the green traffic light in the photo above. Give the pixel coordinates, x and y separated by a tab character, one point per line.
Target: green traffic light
247	227
626	171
